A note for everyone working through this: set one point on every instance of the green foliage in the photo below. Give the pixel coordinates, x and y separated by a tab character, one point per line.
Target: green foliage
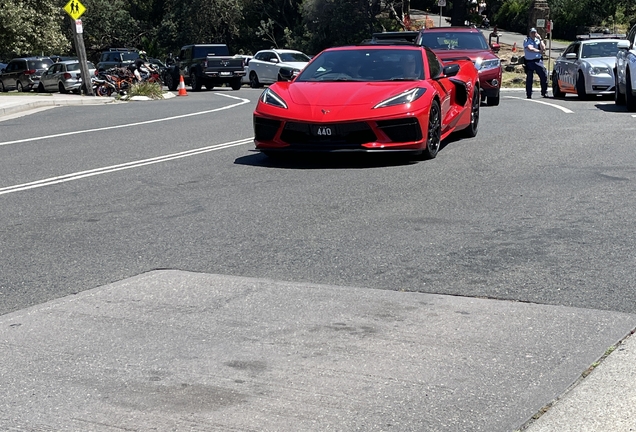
31	27
513	15
151	90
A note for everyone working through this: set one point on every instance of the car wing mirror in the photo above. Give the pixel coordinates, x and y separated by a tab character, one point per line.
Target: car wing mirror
274	60
623	45
450	70
570	56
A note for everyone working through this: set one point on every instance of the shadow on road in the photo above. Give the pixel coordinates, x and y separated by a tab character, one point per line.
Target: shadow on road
308	161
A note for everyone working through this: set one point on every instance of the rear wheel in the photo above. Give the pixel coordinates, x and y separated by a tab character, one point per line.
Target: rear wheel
19	87
171	82
433	139
195	82
556	90
236	84
2	87
254	83
62	88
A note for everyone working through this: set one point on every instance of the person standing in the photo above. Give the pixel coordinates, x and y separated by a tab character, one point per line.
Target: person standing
533	48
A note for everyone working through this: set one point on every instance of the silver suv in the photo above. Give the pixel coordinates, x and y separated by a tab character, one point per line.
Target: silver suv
23	74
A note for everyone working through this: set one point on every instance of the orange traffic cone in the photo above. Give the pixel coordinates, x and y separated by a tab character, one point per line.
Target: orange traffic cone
182	90
514	47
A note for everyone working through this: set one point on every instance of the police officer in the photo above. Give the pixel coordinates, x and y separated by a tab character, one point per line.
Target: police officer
533	48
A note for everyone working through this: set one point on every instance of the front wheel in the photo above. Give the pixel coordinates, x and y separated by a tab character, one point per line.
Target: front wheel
171	82
630	100
433	138
41	88
580	87
619	98
556	90
471	130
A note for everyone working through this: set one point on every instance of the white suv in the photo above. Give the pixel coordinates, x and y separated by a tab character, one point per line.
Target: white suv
625	93
265	67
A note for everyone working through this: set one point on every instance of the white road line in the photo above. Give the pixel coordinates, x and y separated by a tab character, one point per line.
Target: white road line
242	102
128	165
565	110
634	115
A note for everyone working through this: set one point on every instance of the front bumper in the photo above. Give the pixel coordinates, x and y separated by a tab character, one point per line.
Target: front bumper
603	84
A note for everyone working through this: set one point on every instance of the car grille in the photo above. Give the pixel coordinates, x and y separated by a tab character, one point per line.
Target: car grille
402	130
341	135
265	129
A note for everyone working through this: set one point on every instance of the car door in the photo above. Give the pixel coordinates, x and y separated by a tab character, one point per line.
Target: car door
570	67
258	63
48	77
269	67
11	77
444	87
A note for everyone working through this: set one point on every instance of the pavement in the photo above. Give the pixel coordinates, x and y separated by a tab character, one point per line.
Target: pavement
172	350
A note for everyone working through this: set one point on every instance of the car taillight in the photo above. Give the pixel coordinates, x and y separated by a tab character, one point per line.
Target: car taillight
29	72
67	76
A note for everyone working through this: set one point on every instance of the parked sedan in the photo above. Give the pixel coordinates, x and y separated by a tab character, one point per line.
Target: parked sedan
64	77
586	68
265	67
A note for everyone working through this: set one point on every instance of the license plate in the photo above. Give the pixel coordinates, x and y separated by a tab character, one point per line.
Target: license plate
226	73
323	130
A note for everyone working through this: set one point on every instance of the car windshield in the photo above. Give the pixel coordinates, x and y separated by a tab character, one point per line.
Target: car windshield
294	57
366	65
40	64
453	41
599	49
130	56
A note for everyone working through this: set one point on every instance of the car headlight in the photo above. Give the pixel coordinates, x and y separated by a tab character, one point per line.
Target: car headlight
403	98
270	98
598	70
481	64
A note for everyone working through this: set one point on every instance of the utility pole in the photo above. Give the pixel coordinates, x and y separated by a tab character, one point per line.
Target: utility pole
75	9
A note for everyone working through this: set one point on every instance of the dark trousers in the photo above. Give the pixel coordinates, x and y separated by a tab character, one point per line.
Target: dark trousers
537	66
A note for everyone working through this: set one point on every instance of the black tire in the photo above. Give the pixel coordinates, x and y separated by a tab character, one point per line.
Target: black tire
61	88
236	84
41	88
19	87
209	86
471	130
580	87
2	87
195	82
434	133
171	82
630	99
492	100
254	82
556	90
619	98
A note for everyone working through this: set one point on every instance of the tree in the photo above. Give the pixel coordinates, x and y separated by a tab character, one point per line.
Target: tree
32	27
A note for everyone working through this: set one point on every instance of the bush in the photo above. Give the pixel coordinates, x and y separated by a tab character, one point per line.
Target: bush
152	90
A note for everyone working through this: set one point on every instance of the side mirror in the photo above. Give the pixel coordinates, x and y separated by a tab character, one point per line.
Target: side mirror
623	45
285	74
451	70
495	47
570	56
274	60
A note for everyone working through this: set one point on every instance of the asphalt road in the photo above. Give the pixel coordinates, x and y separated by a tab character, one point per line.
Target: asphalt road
218	290
538	208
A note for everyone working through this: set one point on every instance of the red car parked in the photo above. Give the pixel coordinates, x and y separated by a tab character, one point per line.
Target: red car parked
453	43
370	98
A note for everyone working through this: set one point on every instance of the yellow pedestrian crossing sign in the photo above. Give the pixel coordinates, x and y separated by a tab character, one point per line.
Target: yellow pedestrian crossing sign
75	9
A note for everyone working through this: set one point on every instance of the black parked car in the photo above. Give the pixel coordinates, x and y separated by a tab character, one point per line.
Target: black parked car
117	58
23	74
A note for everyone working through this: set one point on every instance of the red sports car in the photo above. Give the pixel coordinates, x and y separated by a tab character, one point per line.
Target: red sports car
371	98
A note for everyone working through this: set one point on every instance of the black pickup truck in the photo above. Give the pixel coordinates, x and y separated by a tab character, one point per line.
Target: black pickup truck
206	65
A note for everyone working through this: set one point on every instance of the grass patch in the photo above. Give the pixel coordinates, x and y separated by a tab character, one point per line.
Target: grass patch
151	90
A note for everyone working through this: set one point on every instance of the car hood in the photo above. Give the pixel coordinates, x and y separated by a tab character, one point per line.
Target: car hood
451	55
601	62
342	100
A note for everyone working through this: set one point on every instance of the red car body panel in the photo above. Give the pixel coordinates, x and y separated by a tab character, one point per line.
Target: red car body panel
351	105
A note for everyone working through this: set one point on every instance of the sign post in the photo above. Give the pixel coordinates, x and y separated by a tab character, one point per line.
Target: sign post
75	9
441	4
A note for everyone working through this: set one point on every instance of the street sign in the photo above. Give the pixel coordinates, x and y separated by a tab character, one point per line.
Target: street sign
78	27
441	3
540	23
75	9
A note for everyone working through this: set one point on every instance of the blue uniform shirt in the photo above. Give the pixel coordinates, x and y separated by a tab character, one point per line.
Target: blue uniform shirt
536	43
